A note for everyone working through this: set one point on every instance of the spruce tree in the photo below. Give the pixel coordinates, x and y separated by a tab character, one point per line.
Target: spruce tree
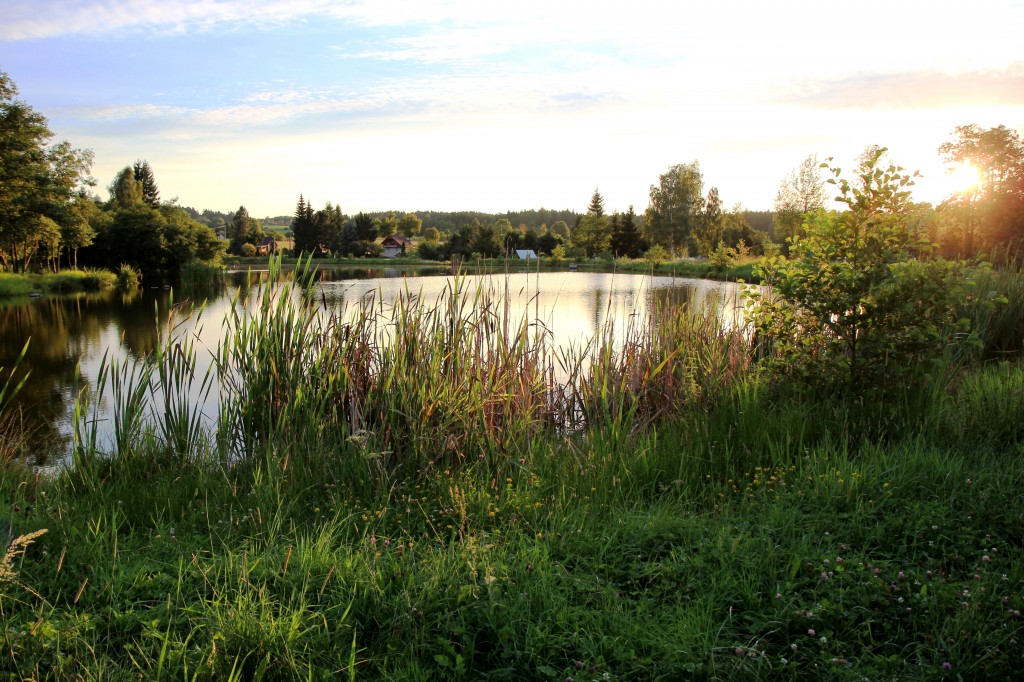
596	204
144	176
303	231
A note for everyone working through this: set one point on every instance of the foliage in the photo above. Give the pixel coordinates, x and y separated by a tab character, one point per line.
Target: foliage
656	254
151	239
37	182
410	225
244	230
146	180
676	206
989	216
858	308
626	239
596	206
128	277
593	234
723	257
800	193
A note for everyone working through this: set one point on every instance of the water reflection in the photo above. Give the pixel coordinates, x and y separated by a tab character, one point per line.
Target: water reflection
71	335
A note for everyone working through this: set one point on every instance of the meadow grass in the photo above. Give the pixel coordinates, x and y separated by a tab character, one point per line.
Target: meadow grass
427	492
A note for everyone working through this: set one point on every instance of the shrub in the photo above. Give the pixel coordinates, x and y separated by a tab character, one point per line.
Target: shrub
859	306
656	254
723	257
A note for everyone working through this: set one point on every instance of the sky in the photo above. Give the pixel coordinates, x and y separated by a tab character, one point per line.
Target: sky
476	105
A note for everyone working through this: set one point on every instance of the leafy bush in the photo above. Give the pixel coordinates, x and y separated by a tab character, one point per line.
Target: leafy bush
656	254
859	306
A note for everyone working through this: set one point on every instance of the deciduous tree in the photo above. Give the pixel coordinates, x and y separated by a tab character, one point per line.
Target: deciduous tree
675	206
990	215
801	192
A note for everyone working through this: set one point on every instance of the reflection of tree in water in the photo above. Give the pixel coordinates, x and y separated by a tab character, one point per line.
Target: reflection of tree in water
50	361
62	333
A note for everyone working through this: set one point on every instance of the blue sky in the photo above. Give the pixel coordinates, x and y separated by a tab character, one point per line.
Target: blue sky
462	104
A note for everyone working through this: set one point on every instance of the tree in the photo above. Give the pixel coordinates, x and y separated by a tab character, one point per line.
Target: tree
991	213
593	234
560	229
854	310
626	241
244	229
302	228
147	182
125	190
77	231
366	231
410	225
712	223
675	207
596	206
432	235
801	192
387	224
37	179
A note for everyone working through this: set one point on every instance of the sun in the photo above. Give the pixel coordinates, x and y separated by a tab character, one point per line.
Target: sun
962	178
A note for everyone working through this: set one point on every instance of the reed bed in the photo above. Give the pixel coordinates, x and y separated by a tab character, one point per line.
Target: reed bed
432	385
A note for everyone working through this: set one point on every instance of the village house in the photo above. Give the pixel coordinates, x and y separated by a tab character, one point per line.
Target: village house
395	245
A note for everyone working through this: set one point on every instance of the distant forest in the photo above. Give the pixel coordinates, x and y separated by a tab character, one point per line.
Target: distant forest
444	222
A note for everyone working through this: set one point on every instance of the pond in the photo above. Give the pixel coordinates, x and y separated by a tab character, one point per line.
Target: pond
70	337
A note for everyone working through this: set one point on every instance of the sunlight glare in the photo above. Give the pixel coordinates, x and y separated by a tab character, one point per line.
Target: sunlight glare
963	178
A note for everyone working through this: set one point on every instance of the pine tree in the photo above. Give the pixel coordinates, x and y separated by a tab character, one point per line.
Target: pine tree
596	204
303	230
627	242
144	176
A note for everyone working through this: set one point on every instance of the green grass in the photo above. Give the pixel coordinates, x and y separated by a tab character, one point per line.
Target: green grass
66	281
412	495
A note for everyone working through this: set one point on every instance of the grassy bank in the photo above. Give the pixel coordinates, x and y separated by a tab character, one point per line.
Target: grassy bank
66	281
417	496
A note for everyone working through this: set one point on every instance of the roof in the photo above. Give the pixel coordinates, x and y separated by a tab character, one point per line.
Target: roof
525	254
397	239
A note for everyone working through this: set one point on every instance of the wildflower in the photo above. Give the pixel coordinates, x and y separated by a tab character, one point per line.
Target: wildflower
793	646
901	575
947	666
738	651
986	558
579	665
823	639
811	632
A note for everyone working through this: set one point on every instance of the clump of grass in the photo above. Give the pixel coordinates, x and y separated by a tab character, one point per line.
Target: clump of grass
129	277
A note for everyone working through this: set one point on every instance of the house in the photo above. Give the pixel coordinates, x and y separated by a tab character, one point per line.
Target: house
526	254
395	245
269	245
